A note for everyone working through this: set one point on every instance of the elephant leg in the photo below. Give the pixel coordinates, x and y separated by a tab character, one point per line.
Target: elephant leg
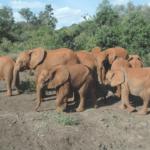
82	94
94	99
8	86
118	91
17	84
60	100
58	104
125	99
39	96
144	109
62	97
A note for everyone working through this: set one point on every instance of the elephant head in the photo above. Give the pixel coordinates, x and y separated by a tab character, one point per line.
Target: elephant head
111	57
135	61
115	78
116	52
28	60
96	50
57	76
102	65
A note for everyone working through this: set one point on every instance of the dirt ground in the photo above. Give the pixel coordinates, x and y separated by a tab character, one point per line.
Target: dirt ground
104	128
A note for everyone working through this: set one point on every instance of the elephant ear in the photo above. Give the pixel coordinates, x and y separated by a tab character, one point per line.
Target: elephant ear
37	56
58	75
117	78
111	57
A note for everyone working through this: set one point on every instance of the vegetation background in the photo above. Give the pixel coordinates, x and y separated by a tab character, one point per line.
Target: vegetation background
127	26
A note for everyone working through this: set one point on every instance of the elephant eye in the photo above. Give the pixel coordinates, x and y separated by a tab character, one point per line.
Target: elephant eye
130	59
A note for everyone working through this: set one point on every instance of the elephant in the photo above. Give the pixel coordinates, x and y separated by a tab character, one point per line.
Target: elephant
135	81
118	64
87	59
39	59
6	73
96	50
135	61
104	60
67	79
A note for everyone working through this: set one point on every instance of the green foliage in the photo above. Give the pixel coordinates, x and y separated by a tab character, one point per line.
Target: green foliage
108	36
27	14
146	59
46	17
5	44
66	120
127	26
106	15
6	22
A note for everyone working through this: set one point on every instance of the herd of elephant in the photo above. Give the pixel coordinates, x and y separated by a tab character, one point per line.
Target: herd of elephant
77	74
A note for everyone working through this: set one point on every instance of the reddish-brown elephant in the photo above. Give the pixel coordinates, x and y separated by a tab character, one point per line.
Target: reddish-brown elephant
39	59
118	64
135	61
135	81
6	73
105	59
87	59
67	79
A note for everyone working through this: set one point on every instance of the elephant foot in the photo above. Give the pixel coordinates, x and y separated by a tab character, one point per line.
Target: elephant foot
122	107
79	109
95	106
18	92
142	112
8	94
59	110
36	108
131	109
117	95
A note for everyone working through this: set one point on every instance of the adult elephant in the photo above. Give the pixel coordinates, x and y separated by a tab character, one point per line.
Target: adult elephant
104	60
39	59
87	59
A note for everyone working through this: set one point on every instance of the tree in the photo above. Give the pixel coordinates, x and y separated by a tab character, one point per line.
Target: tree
135	31
105	14
47	18
6	23
27	14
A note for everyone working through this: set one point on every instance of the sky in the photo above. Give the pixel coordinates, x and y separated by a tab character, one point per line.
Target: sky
67	12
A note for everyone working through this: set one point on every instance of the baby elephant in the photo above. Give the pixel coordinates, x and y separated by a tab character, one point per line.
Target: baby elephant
6	73
135	81
65	79
135	61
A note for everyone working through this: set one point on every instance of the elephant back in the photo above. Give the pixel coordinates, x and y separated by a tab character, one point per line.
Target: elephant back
62	56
